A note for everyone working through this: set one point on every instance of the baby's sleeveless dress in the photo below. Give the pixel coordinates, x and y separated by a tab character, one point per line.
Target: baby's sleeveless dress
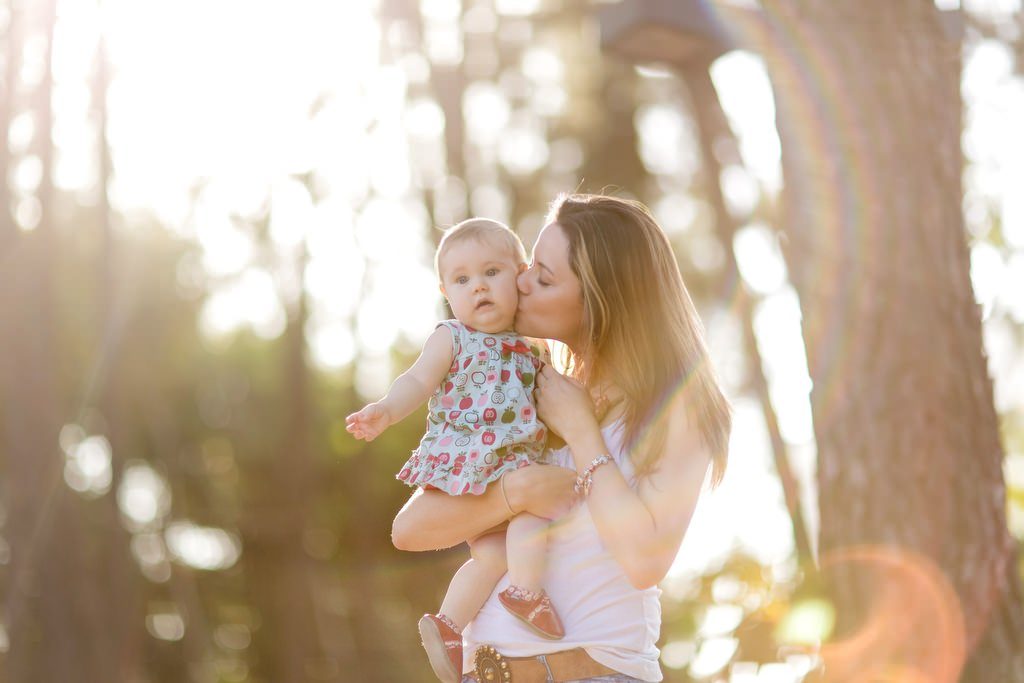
481	421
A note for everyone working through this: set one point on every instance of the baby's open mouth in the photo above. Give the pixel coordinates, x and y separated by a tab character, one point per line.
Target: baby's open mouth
484	303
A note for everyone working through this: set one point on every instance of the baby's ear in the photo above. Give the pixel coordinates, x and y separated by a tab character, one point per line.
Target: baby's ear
440	287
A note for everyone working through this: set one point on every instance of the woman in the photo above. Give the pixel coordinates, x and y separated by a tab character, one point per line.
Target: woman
642	416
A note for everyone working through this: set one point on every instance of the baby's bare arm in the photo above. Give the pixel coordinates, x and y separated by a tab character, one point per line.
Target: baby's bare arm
408	391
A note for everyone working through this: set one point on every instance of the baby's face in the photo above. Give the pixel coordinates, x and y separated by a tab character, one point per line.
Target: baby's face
479	280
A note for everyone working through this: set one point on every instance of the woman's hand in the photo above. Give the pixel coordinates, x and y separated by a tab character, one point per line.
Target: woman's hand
541	490
563	404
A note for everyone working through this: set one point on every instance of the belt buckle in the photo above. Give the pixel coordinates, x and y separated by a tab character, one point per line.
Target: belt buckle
490	666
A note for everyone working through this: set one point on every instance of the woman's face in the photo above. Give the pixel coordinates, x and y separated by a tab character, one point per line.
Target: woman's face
550	296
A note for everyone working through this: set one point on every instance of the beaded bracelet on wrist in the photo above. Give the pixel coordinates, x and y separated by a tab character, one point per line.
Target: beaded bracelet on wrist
586	479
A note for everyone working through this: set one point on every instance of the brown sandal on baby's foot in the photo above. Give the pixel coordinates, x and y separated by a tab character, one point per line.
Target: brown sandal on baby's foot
443	644
533	609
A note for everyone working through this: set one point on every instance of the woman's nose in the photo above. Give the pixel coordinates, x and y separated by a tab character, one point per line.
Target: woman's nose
522	283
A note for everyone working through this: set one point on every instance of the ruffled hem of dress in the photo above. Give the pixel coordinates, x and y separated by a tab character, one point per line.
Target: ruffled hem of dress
440	479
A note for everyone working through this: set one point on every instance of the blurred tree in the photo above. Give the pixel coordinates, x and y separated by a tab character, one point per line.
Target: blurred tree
278	516
12	64
119	577
908	443
715	138
53	634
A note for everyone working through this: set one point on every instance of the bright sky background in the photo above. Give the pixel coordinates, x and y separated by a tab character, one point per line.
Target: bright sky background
211	115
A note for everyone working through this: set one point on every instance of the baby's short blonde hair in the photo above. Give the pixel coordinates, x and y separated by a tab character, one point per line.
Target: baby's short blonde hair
481	229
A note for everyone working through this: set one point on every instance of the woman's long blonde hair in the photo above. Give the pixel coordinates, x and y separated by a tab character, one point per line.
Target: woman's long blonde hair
641	330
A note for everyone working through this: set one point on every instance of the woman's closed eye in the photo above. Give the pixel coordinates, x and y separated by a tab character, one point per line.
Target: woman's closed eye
540	281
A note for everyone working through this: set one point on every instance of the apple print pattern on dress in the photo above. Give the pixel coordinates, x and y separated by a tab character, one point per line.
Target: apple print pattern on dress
481	421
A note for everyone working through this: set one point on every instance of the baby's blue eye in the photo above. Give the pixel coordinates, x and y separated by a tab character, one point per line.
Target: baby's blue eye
492	271
462	279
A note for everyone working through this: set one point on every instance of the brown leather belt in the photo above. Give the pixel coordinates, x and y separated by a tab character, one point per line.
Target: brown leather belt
567	665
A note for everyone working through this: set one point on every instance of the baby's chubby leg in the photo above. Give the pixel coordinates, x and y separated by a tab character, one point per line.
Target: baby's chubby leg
525	597
475	580
527	548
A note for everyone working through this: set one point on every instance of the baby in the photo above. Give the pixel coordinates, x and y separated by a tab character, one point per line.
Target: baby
481	423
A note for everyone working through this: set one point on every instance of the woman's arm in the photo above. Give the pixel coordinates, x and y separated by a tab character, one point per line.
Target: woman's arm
432	520
642	529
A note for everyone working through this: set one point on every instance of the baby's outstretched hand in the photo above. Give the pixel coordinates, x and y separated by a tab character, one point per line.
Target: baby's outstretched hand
369	422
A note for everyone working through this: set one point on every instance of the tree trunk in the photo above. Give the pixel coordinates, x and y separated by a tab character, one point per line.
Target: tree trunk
282	570
8	102
46	612
123	613
713	131
912	498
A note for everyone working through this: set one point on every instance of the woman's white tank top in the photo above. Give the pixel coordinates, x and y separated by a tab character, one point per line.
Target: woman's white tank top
614	622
